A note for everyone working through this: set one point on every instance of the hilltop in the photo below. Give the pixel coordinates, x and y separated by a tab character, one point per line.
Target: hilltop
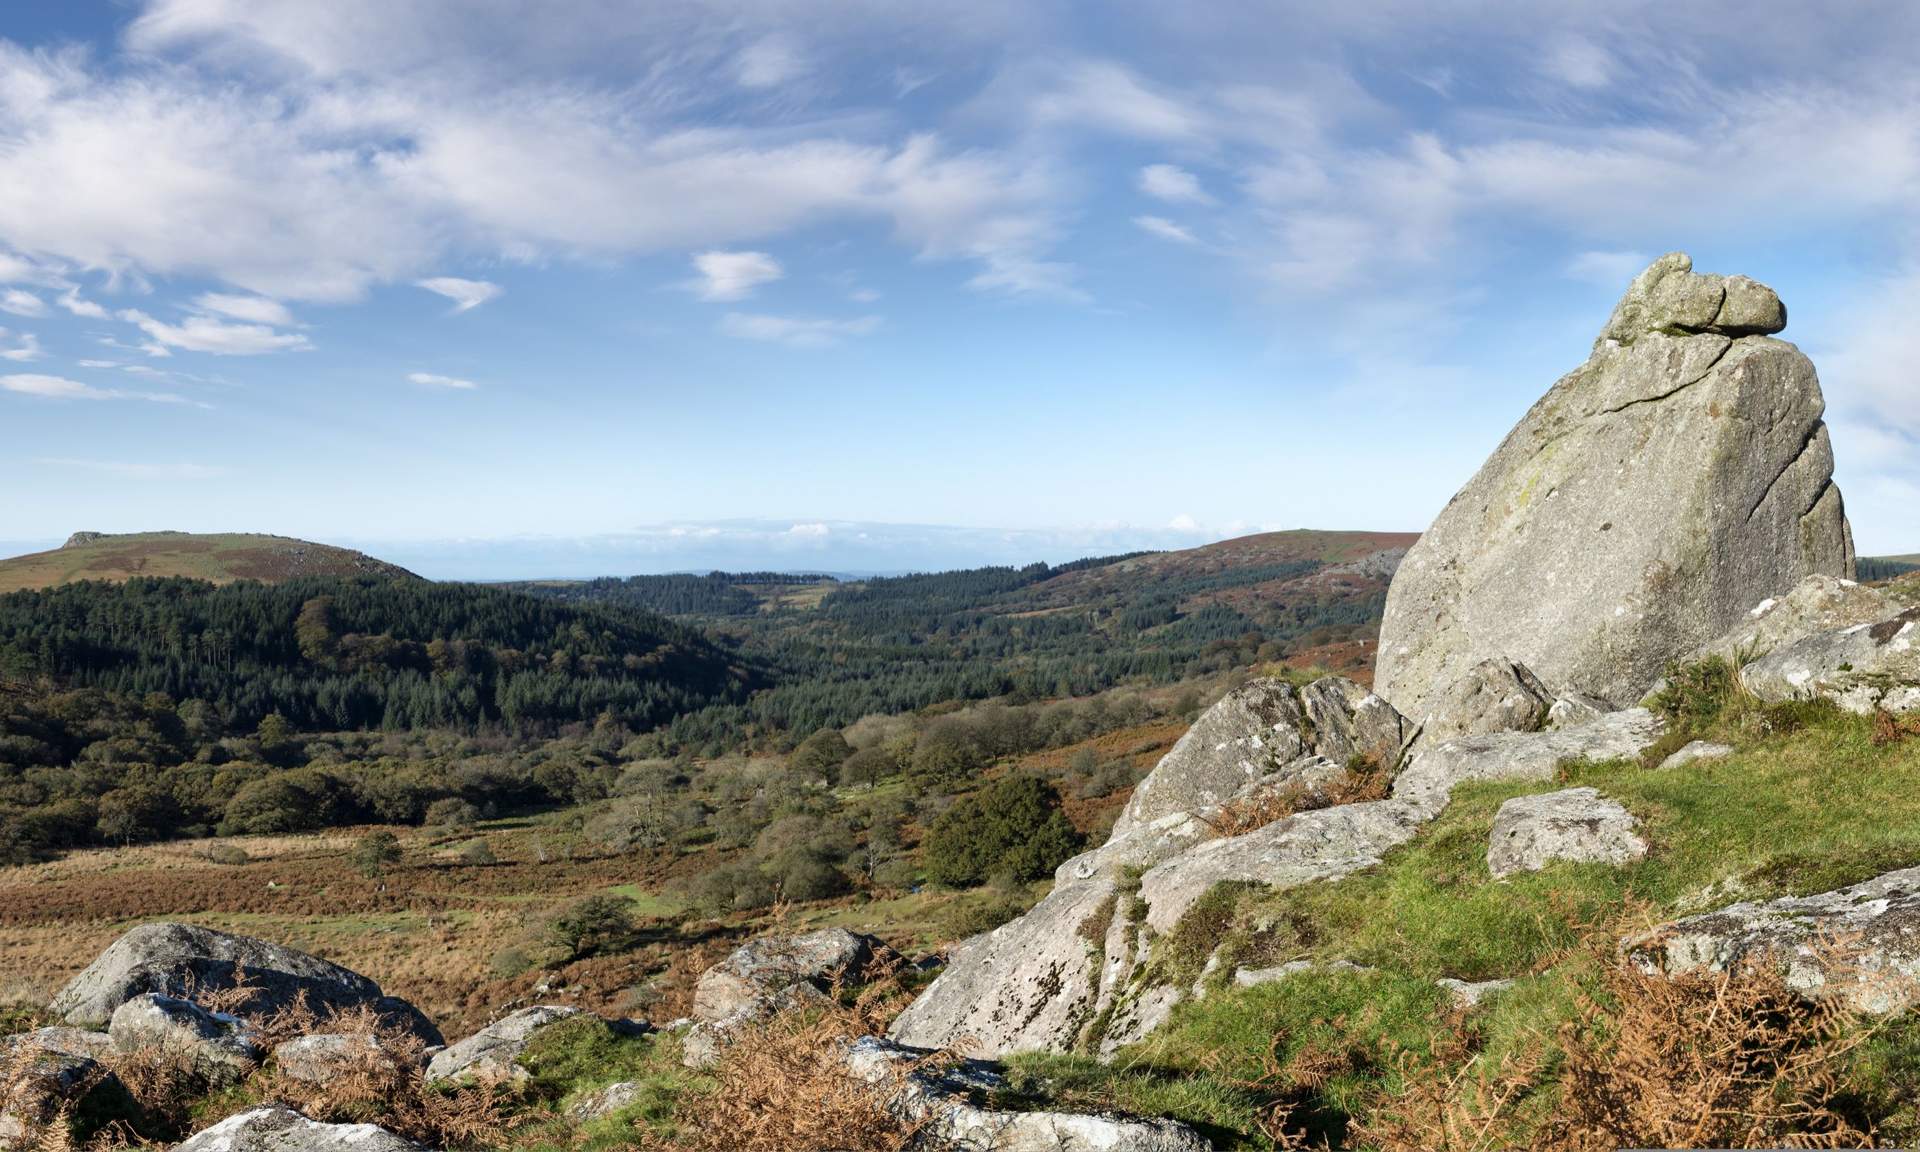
221	558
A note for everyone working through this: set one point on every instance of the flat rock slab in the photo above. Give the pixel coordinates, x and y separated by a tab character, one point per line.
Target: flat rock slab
494	1051
284	1130
320	1057
1696	751
1819	603
1862	668
1862	942
180	959
1574	825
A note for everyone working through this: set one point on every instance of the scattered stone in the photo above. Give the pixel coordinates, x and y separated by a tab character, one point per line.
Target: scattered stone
182	959
1254	977
1697	750
1861	942
216	1046
1469	994
1819	603
773	963
320	1057
1862	668
493	1052
1574	709
1637	511
277	1129
604	1102
1349	723
1496	695
1574	824
939	1101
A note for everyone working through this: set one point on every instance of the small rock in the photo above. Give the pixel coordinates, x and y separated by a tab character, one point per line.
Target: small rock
1496	695
1574	824
217	1047
494	1051
319	1058
279	1129
1468	994
1254	977
603	1102
1573	709
1698	750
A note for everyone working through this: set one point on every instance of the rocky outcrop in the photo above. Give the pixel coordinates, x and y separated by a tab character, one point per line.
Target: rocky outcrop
1496	695
775	974
1575	825
277	1129
218	1048
1819	603
938	1100
181	959
1861	942
1862	668
493	1053
1637	511
1075	971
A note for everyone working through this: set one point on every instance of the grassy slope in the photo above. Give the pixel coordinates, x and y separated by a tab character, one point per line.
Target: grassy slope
1789	814
221	558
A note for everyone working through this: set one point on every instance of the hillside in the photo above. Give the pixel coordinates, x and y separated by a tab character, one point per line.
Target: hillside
221	558
1888	567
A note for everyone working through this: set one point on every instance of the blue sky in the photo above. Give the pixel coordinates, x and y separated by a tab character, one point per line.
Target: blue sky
502	288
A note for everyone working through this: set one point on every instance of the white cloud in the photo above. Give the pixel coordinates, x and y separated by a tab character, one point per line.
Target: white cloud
814	530
135	470
252	309
1608	269
14	268
1184	523
465	294
99	363
864	296
1106	96
434	380
1578	62
61	388
79	305
1173	184
206	334
795	331
733	275
769	63
1164	228
19	349
22	303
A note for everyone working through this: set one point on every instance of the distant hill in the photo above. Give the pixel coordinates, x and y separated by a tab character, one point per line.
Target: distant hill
219	557
1887	567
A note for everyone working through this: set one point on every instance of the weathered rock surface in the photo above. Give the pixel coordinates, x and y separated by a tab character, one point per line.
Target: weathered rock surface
320	1057
1861	942
1496	695
1638	510
1576	825
178	959
939	1101
1573	709
1042	981
1469	994
278	1129
772	963
217	1047
1696	751
51	1069
493	1052
603	1102
1861	668
1819	603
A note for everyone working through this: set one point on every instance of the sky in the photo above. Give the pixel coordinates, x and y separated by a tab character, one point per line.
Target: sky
506	288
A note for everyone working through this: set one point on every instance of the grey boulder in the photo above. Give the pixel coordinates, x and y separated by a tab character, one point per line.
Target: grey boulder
1638	511
604	1102
183	959
939	1103
1696	751
320	1057
49	1072
1819	603
493	1053
277	1129
1862	668
1575	825
216	1047
1496	695
1860	942
772	963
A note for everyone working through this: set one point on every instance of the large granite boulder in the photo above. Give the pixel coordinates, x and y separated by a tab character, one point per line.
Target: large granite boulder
1576	825
1860	942
1639	509
182	959
775	974
278	1129
1819	603
1863	668
218	1048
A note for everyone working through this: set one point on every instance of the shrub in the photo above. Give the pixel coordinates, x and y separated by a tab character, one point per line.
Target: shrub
593	926
821	754
867	767
478	853
229	854
947	752
299	801
374	853
452	812
1015	826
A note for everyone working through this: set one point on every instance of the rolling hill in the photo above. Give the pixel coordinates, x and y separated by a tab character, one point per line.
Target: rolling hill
221	558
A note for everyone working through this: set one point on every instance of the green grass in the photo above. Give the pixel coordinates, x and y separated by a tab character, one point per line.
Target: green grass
219	557
1808	803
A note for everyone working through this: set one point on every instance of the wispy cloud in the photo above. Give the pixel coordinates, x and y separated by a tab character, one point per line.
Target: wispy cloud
1173	184
61	388
769	63
20	302
733	275
795	331
80	306
211	335
435	380
252	309
465	294
1164	228
19	348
